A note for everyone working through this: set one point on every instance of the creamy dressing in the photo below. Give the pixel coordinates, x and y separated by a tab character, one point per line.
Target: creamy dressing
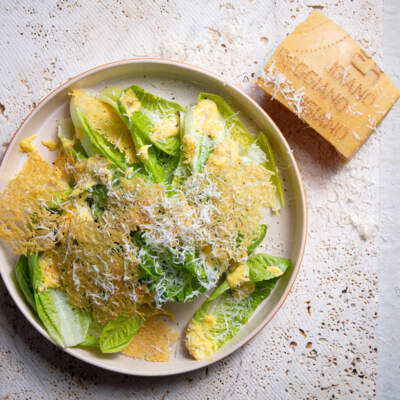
166	127
130	101
199	342
238	276
207	119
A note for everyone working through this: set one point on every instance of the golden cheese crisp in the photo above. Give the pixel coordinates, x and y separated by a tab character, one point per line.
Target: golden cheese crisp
325	77
152	342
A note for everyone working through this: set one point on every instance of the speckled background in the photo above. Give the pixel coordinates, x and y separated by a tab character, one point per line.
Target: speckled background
323	342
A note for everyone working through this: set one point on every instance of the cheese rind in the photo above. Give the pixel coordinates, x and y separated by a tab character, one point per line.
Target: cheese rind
323	75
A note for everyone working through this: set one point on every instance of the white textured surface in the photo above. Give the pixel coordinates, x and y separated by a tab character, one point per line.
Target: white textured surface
323	342
389	276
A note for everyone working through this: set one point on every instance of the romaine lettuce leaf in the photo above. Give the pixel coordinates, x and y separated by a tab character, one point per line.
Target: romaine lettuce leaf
147	154
169	163
98	200
72	148
240	134
263	267
223	314
173	275
229	314
182	171
66	324
233	125
270	164
152	113
92	338
197	146
116	335
258	238
24	280
93	142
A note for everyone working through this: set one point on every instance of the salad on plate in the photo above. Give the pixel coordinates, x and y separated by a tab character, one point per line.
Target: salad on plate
147	203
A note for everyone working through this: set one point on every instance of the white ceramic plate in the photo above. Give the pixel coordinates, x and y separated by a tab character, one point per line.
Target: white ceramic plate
181	82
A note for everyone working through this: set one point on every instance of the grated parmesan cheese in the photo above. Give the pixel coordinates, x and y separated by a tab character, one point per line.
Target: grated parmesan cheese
271	77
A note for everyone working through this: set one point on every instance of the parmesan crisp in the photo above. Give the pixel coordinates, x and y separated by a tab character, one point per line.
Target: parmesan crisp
152	342
26	222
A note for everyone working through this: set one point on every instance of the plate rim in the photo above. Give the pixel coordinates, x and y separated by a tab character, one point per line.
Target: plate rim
304	229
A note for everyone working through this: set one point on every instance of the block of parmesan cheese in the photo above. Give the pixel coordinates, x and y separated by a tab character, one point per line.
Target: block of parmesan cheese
325	77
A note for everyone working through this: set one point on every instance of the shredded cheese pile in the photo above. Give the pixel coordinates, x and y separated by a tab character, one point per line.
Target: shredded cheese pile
271	77
218	210
98	267
97	260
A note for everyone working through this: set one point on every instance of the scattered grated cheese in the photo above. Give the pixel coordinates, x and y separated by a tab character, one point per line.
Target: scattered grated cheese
281	85
254	155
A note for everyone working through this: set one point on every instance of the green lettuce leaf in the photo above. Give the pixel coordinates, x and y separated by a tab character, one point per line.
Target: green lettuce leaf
90	341
169	163
204	145
150	163
223	287
173	275
24	280
260	267
153	109
258	238
66	324
116	335
182	170
97	200
270	164
110	95
233	125
92	338
93	142
231	313
240	134
66	133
